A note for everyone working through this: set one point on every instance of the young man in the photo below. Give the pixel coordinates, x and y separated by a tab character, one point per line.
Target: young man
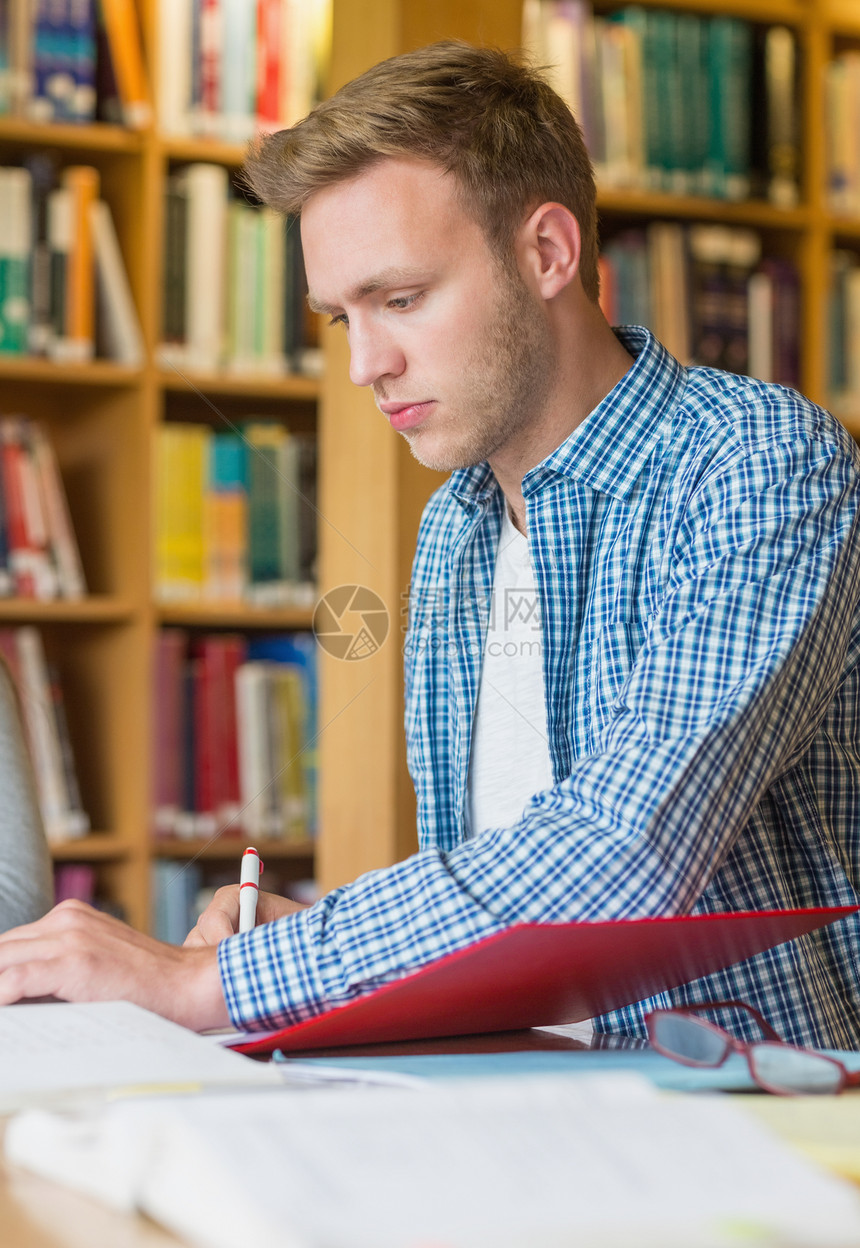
685	737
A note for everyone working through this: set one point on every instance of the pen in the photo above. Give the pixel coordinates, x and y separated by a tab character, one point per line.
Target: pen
249	887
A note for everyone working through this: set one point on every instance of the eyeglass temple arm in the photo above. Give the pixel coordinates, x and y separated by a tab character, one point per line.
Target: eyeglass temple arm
737	1005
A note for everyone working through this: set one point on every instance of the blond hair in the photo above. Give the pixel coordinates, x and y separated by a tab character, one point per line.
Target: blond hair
498	127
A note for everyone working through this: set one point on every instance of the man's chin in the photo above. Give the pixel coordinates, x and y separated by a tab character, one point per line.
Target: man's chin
437	458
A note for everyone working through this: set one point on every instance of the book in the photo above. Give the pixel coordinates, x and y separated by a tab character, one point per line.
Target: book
173	92
43	176
730	61
65	553
60	243
78	341
53	1052
226	519
180	484
118	320
62	817
782	113
206	189
29	560
126	53
606	1160
15	194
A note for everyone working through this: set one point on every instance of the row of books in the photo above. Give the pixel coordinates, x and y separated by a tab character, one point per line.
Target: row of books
235	514
673	101
842	119
230	67
38	683
708	295
234	284
234	743
73	61
64	290
39	555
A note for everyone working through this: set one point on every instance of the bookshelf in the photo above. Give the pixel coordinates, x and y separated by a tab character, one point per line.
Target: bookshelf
103	417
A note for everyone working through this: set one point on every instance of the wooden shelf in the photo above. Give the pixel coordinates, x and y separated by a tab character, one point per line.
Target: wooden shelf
212	151
49	372
98	138
235	615
230	847
754	213
290	386
95	609
95	847
845	227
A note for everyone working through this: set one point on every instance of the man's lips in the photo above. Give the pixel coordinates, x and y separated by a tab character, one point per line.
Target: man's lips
403	416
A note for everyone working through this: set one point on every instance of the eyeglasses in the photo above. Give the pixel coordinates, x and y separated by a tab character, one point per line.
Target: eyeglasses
774	1065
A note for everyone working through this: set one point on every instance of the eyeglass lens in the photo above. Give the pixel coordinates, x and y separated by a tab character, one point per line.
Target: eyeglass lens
684	1037
785	1069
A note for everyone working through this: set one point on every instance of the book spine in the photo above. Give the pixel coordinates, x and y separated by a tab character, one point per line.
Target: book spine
174	66
181	482
45	749
122	332
783	147
126	52
205	277
15	210
43	176
82	181
61	234
268	70
82	35
66	554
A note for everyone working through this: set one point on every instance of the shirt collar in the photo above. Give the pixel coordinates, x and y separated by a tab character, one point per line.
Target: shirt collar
611	446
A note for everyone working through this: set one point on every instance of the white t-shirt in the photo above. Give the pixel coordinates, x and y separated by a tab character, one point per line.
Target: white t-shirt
509	760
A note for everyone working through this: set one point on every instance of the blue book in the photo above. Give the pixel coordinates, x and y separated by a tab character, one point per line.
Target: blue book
81	36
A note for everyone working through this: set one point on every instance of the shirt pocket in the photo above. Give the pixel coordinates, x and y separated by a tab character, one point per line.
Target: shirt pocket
613	656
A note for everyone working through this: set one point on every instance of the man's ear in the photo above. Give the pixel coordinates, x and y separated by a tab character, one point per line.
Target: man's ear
549	248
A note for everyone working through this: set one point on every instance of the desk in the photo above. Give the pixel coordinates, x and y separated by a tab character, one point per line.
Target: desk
35	1213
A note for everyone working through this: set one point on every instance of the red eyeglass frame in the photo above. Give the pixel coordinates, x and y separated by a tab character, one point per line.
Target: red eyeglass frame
847	1078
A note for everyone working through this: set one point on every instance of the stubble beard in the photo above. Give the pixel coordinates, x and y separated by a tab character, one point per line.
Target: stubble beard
506	384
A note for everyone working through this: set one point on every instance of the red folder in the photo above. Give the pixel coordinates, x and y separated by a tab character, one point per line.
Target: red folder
539	974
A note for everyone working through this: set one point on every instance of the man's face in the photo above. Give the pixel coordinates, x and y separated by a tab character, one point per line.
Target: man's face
456	348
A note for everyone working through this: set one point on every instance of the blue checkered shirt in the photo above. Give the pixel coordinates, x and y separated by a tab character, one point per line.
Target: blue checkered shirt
698	571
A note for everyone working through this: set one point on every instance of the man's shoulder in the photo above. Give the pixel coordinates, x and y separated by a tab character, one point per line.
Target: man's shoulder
748	415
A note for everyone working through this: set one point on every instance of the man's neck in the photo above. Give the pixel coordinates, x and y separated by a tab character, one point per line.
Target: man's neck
590	368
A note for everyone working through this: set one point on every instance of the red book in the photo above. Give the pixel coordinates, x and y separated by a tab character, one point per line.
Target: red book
268	63
210	63
543	974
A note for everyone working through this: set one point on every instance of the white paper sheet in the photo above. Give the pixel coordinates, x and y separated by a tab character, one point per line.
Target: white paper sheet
602	1161
55	1049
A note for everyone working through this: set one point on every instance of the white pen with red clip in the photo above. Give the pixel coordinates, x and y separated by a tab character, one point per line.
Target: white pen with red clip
249	887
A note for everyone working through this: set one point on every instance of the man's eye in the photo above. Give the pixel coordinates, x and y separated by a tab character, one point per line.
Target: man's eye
401	302
342	319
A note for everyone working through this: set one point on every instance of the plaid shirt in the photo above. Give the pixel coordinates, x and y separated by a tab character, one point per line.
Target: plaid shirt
696	563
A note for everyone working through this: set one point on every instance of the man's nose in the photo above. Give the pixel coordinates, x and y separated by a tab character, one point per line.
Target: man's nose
372	355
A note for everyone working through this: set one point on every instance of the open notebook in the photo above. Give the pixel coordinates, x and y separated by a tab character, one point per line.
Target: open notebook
599	1162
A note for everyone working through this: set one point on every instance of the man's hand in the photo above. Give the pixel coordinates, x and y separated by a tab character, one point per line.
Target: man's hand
78	954
221	916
